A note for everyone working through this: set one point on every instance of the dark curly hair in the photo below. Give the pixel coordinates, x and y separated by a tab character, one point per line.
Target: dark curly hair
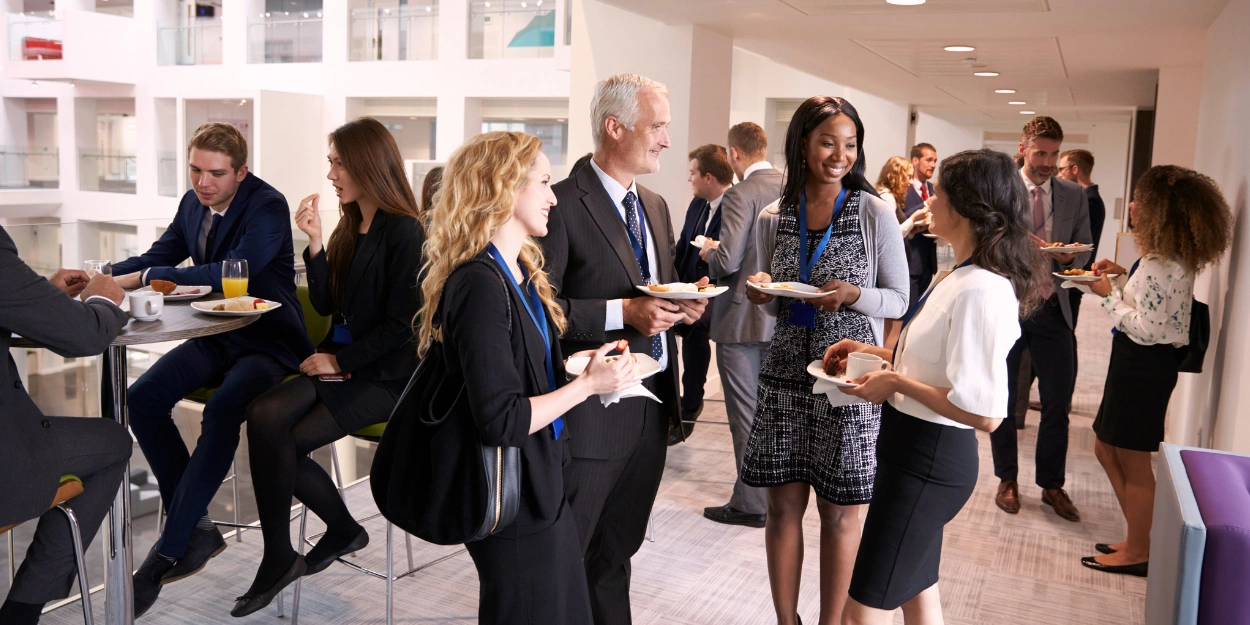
812	113
984	187
1182	215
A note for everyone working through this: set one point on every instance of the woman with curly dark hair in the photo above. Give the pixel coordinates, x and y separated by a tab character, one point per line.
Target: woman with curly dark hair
949	379
1181	224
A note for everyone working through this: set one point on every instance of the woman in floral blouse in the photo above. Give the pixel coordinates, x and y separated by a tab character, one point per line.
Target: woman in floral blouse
1181	223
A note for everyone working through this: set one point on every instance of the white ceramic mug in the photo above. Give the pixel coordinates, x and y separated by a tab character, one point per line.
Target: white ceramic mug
860	364
146	305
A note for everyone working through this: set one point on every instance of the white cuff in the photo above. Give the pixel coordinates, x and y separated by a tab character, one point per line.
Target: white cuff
101	297
614	319
143	277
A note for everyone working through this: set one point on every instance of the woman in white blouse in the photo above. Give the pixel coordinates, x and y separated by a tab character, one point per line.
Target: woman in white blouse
949	377
1181	223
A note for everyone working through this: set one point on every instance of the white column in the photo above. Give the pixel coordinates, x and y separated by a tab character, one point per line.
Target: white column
235	15
85	132
1176	116
459	118
14	133
453	23
67	133
335	26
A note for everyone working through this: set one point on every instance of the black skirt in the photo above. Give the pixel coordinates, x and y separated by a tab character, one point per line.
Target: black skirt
355	404
1135	399
925	475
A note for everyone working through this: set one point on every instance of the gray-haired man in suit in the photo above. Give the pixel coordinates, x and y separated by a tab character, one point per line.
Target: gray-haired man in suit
1059	212
741	330
35	451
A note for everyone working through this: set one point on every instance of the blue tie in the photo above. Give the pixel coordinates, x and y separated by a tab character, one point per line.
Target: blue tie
630	204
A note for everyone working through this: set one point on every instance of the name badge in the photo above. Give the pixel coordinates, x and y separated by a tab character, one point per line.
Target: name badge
341	335
802	315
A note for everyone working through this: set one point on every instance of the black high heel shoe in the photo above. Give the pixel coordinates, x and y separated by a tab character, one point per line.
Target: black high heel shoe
1141	569
250	603
1103	548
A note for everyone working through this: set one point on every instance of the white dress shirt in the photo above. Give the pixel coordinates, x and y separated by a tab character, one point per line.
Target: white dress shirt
615	317
959	340
1048	200
746	173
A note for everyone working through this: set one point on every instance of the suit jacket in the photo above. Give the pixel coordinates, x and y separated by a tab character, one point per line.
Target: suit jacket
921	251
690	268
380	301
1097	215
1070	224
34	308
734	319
590	261
257	227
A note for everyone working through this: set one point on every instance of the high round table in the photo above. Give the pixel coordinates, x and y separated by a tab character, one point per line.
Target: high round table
178	322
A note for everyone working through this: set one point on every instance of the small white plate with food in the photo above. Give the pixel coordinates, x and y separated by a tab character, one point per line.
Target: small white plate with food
1067	248
177	292
797	290
698	241
816	369
682	290
244	306
1077	275
644	365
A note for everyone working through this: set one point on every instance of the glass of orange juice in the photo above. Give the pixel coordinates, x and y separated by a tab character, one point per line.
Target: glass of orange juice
234	277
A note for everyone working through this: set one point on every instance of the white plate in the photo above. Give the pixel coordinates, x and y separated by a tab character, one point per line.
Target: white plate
183	293
1087	278
207	308
683	294
1075	249
798	290
698	241
930	235
817	370
645	366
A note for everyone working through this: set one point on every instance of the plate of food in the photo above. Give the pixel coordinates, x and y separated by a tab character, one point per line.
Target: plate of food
682	290
176	292
816	369
1078	275
797	290
644	365
930	235
1067	248
698	241
244	306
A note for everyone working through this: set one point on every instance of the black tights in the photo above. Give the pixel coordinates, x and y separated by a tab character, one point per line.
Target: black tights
283	426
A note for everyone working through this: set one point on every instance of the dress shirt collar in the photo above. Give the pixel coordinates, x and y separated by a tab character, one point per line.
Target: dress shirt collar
614	188
1029	185
746	173
915	183
716	203
222	212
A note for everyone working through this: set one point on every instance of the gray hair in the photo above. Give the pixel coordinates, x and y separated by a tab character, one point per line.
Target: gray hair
617	96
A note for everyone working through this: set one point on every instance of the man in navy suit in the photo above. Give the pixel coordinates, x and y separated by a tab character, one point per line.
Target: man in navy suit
710	176
921	251
229	213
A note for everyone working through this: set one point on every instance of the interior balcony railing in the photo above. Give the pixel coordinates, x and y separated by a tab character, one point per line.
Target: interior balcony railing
512	29
110	172
407	33
189	45
29	168
290	38
35	36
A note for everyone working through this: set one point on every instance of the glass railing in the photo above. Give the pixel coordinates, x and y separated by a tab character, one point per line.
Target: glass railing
404	34
511	29
286	40
34	36
107	172
167	174
29	168
189	45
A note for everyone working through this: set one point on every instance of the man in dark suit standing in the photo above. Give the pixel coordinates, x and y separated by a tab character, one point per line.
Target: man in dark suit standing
710	176
921	251
1077	166
229	213
35	451
607	236
1059	213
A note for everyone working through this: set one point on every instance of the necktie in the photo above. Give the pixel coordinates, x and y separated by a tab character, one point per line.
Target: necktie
630	204
212	235
1039	213
924	192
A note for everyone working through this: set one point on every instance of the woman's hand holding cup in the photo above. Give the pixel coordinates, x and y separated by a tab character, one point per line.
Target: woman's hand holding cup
840	352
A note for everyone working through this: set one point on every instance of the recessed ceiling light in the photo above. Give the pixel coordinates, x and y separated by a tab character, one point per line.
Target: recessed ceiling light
959	48
1004	91
428	9
1028	112
907	3
985	74
1017	102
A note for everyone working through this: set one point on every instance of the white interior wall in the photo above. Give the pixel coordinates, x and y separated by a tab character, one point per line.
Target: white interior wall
287	155
1176	116
885	129
1109	143
946	137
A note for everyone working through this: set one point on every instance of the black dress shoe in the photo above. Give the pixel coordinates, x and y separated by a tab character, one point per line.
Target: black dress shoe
147	581
203	546
1140	569
688	417
250	603
319	563
729	515
1103	548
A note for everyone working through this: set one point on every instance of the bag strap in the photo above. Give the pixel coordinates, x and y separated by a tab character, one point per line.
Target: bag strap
412	380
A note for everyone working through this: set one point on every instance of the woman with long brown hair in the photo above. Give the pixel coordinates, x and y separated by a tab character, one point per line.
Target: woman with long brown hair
365	279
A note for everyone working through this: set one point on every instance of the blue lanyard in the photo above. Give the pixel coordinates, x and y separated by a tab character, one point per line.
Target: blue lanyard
538	314
919	303
806	263
640	247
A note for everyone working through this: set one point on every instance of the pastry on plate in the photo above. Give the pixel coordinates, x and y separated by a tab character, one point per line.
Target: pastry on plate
164	287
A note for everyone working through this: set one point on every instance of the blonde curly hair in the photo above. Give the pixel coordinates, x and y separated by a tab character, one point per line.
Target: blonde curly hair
1181	214
478	195
895	177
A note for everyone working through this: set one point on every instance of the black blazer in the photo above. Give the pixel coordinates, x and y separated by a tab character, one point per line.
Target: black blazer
689	266
34	308
490	342
590	261
381	300
921	250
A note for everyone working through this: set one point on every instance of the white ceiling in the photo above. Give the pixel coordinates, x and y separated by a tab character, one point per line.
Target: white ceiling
1079	60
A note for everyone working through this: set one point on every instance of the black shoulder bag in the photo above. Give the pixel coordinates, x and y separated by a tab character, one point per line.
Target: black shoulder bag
431	474
1190	356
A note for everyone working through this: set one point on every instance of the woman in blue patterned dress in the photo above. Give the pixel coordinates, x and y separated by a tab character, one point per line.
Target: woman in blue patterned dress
828	230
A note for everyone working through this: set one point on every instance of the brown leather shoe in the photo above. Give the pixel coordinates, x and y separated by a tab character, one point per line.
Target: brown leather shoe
1058	499
1008	497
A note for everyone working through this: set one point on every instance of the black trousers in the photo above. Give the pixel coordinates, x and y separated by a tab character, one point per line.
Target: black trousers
95	450
1051	345
611	501
696	356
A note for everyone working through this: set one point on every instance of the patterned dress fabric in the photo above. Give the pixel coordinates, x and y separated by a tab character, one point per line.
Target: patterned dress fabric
1153	306
798	436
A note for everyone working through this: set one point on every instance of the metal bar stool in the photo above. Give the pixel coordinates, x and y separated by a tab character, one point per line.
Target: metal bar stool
70	488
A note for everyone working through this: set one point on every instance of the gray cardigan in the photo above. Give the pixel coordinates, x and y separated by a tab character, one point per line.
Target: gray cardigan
887	261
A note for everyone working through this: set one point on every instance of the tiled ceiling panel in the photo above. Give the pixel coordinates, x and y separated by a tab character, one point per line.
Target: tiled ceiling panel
865	7
1036	57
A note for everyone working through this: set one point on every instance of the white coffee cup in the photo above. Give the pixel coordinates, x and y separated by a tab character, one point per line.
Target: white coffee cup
146	305
859	364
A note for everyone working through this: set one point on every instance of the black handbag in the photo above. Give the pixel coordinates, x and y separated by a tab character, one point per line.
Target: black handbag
1191	356
431	474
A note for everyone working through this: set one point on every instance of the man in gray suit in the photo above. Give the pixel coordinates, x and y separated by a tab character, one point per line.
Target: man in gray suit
35	451
1059	212
741	330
